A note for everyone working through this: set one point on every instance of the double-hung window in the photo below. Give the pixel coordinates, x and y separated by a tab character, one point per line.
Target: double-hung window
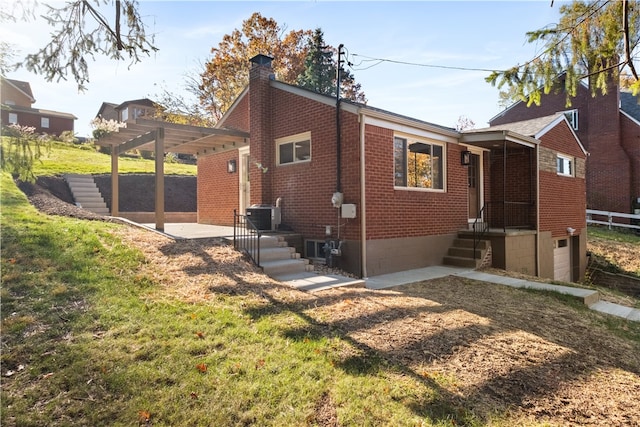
44	122
294	148
418	164
564	165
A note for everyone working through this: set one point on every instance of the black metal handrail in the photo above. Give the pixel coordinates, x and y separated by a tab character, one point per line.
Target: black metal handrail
484	227
246	237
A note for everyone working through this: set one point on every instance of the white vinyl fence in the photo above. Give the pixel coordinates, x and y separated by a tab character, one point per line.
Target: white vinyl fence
609	219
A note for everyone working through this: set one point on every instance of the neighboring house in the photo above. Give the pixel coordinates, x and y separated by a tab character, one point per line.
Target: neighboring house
407	187
609	127
128	111
17	101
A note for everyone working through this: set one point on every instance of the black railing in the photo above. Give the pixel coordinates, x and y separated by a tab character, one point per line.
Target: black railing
502	215
480	228
512	215
246	237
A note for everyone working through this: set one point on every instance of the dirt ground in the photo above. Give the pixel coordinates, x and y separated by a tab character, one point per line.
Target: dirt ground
626	255
486	348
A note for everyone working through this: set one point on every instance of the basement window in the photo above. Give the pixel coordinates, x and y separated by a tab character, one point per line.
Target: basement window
294	149
314	250
565	165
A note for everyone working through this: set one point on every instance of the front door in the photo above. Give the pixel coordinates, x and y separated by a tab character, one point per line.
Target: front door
245	187
475	185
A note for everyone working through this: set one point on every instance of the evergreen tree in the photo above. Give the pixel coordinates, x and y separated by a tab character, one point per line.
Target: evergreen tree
593	40
320	71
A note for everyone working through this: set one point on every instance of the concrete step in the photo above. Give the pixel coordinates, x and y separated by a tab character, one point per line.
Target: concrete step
83	187
265	242
466	252
468	243
91	205
461	261
277	253
86	193
285	267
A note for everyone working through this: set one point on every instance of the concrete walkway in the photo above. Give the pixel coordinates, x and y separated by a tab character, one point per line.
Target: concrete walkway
590	297
313	282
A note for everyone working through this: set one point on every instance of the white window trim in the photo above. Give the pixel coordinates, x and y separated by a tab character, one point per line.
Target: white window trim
13	116
414	138
574	120
572	163
304	136
44	120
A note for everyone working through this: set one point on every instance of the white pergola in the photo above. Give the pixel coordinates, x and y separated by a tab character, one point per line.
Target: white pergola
162	137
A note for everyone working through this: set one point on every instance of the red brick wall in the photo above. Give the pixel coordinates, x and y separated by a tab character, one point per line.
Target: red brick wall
306	188
218	190
260	120
562	199
238	119
610	179
406	213
57	125
631	145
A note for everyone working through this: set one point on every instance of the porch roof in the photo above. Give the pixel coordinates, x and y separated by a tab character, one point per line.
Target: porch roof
178	138
525	132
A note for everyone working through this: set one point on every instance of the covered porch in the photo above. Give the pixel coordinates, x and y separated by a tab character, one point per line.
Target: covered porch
503	197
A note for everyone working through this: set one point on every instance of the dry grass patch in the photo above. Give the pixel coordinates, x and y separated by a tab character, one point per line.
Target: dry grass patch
502	354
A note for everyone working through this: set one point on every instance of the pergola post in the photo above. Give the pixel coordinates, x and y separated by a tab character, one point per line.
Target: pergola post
159	157
115	208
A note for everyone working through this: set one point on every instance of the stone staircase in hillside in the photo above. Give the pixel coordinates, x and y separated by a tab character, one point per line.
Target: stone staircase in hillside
277	259
86	194
461	252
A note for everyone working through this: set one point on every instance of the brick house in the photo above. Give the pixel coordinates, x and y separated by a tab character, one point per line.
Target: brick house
17	101
609	127
128	111
392	192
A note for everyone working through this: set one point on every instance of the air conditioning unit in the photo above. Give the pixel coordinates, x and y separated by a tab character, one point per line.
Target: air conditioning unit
264	217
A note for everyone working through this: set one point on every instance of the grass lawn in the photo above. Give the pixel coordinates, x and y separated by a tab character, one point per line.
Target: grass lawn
104	324
90	337
84	159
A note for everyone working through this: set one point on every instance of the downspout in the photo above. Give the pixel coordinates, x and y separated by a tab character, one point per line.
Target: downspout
538	209
363	200
338	139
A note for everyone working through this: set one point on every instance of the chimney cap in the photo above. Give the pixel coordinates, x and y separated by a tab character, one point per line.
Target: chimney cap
261	59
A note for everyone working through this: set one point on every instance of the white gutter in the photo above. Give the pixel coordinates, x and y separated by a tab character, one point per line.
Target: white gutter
363	207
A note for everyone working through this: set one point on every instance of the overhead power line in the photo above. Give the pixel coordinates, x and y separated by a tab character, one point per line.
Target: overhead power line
381	60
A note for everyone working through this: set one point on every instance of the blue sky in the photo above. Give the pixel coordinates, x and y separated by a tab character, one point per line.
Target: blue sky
472	34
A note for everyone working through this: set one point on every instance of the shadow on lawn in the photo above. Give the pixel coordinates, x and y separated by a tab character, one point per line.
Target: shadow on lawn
582	349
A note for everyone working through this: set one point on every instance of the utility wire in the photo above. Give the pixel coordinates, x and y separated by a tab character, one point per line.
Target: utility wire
381	60
580	20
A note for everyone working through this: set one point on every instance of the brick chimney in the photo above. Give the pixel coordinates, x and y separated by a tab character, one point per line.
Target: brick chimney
262	143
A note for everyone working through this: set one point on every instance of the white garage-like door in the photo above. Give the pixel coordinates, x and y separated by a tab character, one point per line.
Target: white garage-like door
562	261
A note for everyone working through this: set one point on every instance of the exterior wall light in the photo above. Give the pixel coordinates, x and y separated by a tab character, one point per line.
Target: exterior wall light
465	158
231	166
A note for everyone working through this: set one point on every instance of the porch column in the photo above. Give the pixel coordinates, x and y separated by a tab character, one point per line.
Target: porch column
115	208
159	156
